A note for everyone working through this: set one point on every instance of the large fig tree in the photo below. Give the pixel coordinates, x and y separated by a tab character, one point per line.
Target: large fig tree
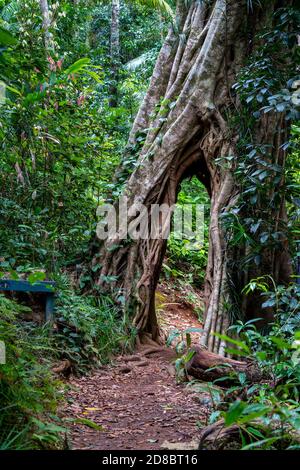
184	128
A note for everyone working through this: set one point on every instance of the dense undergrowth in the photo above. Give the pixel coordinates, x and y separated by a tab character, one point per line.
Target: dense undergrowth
86	333
28	391
266	413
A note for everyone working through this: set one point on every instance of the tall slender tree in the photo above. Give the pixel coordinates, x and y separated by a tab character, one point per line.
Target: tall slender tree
46	23
160	5
114	51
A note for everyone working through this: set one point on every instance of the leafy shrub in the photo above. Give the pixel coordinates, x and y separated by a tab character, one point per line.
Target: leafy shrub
86	334
28	391
89	330
268	414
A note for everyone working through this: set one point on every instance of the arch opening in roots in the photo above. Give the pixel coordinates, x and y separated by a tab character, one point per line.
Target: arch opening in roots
179	294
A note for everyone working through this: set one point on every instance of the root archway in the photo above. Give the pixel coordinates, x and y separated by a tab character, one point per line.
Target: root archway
136	265
184	120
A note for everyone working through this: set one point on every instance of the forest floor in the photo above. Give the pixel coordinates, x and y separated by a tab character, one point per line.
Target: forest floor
137	400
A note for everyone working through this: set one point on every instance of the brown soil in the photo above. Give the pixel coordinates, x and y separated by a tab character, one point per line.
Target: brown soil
176	309
137	400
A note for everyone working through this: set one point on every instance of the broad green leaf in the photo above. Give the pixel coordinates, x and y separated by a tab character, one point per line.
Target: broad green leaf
282	344
236	352
193	330
36	277
251	415
78	65
6	38
189	356
240	344
235	410
160	5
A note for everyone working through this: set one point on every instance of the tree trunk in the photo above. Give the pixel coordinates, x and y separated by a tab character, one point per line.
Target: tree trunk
114	52
46	24
183	119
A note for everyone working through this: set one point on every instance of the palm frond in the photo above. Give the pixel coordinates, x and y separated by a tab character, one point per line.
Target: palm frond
10	11
133	64
159	5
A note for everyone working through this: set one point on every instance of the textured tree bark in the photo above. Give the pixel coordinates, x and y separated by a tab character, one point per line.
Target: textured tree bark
217	436
207	366
184	120
114	51
46	24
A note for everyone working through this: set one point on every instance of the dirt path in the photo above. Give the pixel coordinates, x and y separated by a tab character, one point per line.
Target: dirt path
137	402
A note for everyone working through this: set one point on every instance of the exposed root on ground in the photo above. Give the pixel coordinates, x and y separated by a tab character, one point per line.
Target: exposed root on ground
217	436
138	401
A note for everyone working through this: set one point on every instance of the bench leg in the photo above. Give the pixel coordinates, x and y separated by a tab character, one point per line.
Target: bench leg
49	313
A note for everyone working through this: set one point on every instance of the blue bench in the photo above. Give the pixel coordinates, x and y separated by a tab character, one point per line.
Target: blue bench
44	287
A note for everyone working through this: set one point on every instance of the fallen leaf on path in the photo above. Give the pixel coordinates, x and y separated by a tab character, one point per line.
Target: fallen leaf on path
89	423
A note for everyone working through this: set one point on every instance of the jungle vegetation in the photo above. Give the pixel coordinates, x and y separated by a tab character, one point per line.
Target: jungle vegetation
166	102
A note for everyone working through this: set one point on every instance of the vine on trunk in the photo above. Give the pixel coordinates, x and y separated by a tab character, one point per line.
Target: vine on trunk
186	119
